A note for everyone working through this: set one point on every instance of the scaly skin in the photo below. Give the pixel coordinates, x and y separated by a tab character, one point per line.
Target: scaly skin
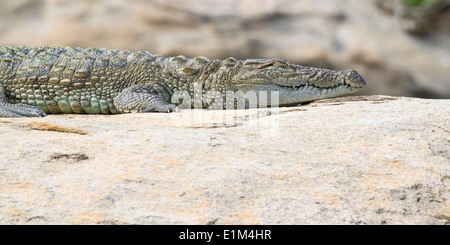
39	81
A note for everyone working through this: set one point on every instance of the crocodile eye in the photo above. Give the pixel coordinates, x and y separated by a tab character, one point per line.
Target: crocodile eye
279	64
352	73
255	64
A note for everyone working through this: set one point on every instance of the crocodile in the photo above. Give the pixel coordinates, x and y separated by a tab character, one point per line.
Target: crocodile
38	81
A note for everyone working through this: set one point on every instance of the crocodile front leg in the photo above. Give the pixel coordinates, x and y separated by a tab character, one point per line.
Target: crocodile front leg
17	110
142	98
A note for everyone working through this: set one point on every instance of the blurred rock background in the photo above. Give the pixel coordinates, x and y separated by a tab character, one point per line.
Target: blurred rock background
401	47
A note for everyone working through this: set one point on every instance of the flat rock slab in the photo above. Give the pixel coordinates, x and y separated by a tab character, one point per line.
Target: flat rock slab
354	160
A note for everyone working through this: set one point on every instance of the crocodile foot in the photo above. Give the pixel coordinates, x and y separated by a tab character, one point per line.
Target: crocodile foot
142	98
162	106
19	110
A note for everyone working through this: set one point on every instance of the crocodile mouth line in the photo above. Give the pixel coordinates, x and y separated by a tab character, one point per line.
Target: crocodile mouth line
339	86
304	88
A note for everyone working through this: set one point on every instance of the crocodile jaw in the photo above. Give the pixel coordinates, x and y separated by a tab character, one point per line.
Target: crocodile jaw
298	94
295	83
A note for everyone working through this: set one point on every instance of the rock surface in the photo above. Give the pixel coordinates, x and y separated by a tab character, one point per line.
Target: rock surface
355	160
337	34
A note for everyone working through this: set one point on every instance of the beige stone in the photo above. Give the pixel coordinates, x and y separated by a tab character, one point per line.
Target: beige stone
353	160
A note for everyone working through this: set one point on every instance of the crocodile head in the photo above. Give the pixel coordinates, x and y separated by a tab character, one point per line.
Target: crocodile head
295	83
